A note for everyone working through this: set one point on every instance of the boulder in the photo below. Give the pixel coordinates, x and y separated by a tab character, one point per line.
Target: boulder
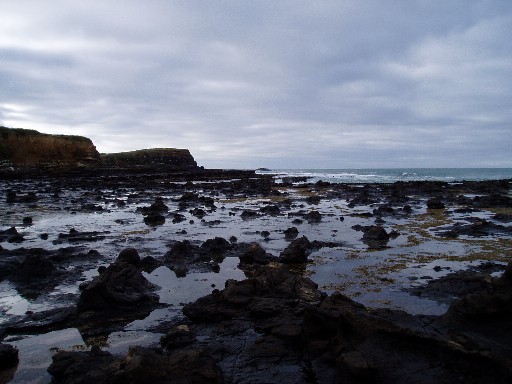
297	251
291	233
129	256
313	217
121	287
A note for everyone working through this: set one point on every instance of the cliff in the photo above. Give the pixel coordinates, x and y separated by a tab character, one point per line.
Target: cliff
29	148
157	157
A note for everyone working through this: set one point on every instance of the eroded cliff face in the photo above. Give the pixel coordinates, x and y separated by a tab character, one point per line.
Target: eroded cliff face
156	157
29	148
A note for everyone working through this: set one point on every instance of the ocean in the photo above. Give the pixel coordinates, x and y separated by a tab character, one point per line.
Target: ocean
391	175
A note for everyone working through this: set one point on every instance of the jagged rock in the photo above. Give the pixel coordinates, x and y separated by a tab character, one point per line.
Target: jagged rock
217	245
158	207
255	254
375	236
121	287
11	235
81	367
129	256
297	251
140	365
184	256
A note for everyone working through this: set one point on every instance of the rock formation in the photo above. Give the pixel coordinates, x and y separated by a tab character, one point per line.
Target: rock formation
25	148
156	157
29	148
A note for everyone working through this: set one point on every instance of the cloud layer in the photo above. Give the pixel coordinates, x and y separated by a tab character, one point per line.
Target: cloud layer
283	84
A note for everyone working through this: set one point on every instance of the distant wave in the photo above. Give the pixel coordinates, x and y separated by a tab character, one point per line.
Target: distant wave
391	175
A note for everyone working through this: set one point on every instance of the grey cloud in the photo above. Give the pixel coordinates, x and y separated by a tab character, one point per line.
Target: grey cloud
267	83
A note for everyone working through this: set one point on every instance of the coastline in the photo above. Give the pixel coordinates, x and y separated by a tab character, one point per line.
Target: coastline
432	232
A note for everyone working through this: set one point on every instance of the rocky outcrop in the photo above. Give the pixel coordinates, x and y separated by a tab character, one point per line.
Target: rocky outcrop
26	148
29	148
156	157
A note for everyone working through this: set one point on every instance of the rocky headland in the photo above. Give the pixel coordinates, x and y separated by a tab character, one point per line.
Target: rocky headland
25	150
30	148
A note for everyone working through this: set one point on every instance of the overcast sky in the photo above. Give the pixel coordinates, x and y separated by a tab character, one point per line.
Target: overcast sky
279	84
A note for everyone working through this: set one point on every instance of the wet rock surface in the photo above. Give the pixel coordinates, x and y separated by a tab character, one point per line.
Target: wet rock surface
279	317
277	327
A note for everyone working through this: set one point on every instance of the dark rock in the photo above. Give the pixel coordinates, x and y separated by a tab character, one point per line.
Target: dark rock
265	234
494	200
291	233
34	266
246	215
121	287
8	356
435	203
77	236
375	236
92	208
27	220
129	256
255	254
315	199
480	227
155	209
490	306
81	367
198	212
178	218
313	217
217	245
503	217
185	256
11	235
140	365
297	251
154	219
178	337
149	264
272	210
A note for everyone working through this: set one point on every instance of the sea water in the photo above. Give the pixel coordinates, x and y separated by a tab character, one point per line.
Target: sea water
391	175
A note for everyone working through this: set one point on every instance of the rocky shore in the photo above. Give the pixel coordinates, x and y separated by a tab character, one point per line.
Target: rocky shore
128	274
